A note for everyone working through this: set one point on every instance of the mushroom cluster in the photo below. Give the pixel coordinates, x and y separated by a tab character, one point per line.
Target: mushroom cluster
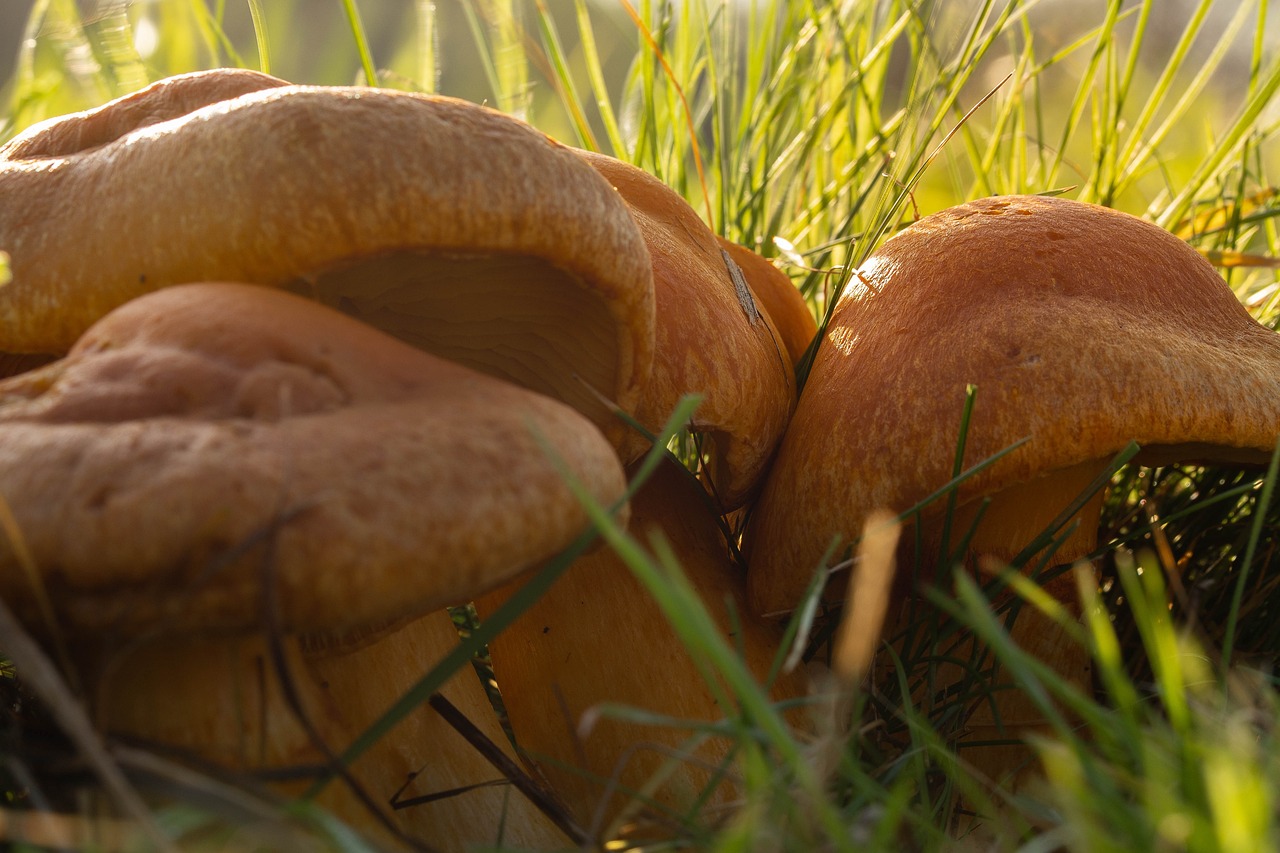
290	370
293	369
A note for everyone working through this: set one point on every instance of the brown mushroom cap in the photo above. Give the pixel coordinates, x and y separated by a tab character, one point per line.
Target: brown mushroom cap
189	427
1082	328
165	99
710	339
454	227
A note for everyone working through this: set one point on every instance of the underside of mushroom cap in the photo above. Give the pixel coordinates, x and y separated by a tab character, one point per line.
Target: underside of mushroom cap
1082	329
205	443
711	338
456	228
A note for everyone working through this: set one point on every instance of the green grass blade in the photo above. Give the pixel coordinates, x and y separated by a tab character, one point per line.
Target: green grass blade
563	79
362	42
428	76
599	88
260	35
1250	552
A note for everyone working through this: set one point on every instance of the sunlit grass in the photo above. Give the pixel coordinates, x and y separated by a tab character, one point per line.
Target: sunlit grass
810	131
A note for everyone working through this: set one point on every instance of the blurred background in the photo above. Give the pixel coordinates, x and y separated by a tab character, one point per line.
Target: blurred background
1038	112
310	41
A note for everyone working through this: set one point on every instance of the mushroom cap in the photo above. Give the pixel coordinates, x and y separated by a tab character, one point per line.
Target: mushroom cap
1083	328
206	439
709	338
452	226
163	100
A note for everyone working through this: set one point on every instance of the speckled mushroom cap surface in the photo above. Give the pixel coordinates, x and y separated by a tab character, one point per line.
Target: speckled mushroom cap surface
1082	328
454	227
204	441
711	338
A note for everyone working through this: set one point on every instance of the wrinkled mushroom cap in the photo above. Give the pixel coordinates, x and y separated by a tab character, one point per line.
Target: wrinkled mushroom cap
1083	328
205	440
458	229
711	338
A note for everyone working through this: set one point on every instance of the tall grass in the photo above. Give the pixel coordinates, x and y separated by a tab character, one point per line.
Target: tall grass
811	131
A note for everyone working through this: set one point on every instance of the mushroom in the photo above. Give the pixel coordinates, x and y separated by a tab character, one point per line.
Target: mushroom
711	338
1082	329
598	636
217	470
456	228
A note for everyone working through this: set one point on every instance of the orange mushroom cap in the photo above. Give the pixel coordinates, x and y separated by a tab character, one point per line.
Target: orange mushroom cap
778	297
711	338
452	226
187	428
1082	328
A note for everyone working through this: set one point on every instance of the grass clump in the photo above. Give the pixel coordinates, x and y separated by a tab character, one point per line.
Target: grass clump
811	131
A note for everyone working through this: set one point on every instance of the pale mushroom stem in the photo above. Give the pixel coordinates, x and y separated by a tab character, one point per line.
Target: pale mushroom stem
1013	518
423	755
555	668
222	700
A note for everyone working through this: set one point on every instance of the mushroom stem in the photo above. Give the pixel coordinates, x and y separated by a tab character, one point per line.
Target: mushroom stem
1009	521
598	636
225	702
1017	515
423	754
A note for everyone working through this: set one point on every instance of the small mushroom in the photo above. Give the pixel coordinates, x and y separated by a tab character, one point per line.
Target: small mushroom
711	337
217	466
1082	329
597	636
456	228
